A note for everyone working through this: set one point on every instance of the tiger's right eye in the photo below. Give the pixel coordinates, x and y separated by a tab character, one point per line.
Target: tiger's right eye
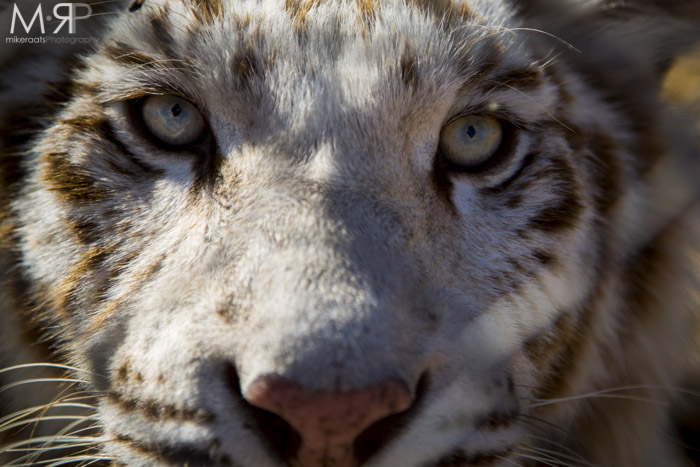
172	120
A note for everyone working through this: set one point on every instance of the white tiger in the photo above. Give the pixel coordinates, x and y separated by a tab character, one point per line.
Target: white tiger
332	233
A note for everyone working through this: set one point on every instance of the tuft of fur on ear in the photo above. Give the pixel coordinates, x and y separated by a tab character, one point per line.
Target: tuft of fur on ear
620	43
623	49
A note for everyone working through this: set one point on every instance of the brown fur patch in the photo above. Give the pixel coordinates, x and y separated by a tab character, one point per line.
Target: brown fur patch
207	11
71	181
443	10
85	124
123	373
556	351
126	373
140	277
8	227
407	66
64	294
298	9
124	55
228	312
368	10
523	79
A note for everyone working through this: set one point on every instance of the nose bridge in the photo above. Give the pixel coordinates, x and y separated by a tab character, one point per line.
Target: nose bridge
332	258
325	291
349	241
336	224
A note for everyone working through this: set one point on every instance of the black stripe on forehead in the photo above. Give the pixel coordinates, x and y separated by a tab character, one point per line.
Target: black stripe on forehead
408	68
159	24
126	55
518	79
154	52
246	66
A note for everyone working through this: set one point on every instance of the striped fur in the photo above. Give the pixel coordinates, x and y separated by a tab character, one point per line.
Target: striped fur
543	310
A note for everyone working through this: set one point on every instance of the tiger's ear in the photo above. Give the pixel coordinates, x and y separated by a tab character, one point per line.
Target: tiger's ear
624	49
622	40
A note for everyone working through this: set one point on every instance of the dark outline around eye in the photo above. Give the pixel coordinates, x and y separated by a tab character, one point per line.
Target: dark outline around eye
497	159
136	116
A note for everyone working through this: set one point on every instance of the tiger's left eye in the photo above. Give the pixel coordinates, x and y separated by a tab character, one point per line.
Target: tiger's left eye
172	120
470	141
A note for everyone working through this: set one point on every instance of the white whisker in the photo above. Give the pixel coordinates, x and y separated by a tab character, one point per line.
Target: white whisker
559	446
539	31
29	421
534	452
600	396
43	439
68	430
25	412
509	461
543	422
73	459
41	380
558	455
609	394
44	365
64	460
64	441
545	460
55	447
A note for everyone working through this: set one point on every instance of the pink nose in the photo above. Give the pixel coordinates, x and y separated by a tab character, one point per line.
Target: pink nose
327	421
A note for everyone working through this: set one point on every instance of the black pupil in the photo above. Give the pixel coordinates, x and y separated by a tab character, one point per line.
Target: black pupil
176	110
471	131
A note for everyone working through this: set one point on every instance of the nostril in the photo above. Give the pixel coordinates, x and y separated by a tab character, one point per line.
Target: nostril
380	433
272	429
329	423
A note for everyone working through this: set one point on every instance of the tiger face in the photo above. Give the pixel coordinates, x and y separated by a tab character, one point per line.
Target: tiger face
337	233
